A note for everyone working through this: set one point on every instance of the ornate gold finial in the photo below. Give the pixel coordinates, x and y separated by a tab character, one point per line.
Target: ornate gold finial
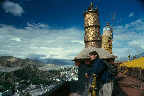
107	24
93	87
91	5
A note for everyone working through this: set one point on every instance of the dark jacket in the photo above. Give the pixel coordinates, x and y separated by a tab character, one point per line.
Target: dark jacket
101	70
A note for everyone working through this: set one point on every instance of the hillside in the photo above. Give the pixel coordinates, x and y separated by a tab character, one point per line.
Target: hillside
10	61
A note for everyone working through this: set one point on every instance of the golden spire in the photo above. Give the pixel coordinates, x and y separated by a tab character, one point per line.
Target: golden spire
107	24
91	7
92	36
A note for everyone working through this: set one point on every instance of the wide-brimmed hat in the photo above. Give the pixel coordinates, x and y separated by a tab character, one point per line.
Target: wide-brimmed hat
80	59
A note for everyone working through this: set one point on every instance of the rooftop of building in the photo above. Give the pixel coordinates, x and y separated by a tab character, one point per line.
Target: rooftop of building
103	54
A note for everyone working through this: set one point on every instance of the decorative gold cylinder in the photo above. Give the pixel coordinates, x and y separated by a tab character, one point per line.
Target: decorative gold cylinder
107	43
91	18
92	36
107	38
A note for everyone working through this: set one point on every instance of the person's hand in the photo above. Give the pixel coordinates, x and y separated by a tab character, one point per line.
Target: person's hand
86	75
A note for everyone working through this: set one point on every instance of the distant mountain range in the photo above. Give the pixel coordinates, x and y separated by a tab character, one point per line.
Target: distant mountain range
13	61
56	61
45	60
10	61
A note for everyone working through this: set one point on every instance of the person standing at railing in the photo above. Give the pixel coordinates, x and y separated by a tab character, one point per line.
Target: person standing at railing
104	78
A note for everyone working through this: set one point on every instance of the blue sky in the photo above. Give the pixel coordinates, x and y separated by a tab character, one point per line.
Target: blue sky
69	13
54	28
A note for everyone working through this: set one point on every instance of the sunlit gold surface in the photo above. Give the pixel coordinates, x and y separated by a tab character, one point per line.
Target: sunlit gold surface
137	63
91	18
92	29
93	86
92	33
107	43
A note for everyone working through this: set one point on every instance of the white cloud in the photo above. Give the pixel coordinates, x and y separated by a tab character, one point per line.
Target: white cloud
78	41
131	14
13	8
16	39
128	38
139	43
42	40
39	39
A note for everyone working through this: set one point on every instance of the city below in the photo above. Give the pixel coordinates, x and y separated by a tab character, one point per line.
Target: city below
33	80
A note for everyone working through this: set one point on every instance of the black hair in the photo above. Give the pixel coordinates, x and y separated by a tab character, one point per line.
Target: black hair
94	53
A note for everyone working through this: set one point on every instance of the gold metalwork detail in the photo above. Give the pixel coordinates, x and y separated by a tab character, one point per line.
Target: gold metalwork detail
92	33
91	19
92	29
107	43
96	44
93	86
